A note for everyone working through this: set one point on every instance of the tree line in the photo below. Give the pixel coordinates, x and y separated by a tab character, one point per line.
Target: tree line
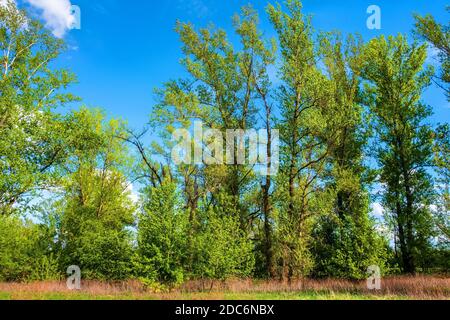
353	131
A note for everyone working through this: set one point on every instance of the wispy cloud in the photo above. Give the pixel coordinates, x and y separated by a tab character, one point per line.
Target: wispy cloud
196	8
57	14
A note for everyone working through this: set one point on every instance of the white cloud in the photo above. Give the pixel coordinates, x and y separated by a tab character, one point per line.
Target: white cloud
57	14
133	195
377	210
4	2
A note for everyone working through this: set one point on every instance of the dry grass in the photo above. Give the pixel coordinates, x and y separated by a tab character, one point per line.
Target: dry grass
90	288
420	287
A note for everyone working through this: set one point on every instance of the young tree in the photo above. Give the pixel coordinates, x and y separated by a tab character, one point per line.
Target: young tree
438	36
18	248
223	250
162	236
262	56
397	78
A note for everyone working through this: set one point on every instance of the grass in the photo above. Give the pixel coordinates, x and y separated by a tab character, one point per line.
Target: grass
195	296
393	288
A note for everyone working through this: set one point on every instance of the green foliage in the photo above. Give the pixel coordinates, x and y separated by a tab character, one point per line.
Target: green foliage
21	258
336	102
438	36
405	141
346	247
442	162
96	207
218	247
222	249
162	240
31	134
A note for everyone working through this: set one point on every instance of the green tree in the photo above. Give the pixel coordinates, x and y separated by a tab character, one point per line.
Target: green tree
303	96
438	36
397	78
162	236
442	162
225	89
96	208
31	134
223	250
345	243
17	244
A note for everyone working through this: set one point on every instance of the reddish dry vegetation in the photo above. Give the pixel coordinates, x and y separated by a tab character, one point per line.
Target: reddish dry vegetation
420	287
428	287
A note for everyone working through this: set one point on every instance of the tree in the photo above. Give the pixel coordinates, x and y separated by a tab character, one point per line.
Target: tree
442	163
262	56
17	243
225	90
96	208
162	231
303	97
438	36
345	242
222	249
397	79
32	138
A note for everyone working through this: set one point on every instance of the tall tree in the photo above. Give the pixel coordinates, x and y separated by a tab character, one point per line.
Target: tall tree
31	134
225	90
302	97
261	55
345	242
397	78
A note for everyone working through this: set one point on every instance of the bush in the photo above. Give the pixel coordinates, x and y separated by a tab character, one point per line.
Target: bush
162	236
18	249
222	249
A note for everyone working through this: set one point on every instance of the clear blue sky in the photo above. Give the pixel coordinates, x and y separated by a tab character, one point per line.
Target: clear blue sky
125	49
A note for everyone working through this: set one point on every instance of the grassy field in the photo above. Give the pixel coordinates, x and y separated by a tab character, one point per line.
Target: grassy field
395	288
196	296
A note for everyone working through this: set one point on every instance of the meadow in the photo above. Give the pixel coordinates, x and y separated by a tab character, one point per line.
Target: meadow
393	288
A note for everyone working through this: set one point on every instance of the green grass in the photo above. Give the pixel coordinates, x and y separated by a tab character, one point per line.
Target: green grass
308	296
197	296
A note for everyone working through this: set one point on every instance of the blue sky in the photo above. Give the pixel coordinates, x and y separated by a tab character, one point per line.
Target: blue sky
125	49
